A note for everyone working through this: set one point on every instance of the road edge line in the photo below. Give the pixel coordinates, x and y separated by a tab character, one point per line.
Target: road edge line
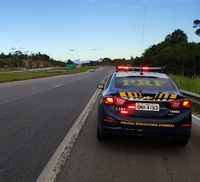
49	173
52	168
196	120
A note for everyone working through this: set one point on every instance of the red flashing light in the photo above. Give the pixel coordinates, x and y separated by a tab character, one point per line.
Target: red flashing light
145	68
180	103
131	106
123	112
123	68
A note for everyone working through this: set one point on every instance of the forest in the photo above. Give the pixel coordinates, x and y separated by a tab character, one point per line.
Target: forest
179	56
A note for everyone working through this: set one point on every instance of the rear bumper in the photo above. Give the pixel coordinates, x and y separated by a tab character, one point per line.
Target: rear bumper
176	127
146	131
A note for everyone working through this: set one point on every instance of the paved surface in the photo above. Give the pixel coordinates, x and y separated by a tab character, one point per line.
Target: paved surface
134	159
35	116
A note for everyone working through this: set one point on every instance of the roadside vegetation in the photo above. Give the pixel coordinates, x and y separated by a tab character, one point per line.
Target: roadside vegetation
25	75
191	84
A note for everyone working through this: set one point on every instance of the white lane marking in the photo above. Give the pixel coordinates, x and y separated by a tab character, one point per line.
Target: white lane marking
59	157
196	120
58	85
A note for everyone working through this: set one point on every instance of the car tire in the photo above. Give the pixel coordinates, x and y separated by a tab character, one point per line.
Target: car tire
181	141
101	136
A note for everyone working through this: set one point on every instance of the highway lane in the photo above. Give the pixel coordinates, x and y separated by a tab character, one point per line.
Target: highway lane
35	116
130	159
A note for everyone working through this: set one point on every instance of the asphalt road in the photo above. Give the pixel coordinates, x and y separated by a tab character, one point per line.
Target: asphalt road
35	116
130	159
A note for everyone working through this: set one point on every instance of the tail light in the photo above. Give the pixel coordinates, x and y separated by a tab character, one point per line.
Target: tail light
113	100
180	103
119	101
108	100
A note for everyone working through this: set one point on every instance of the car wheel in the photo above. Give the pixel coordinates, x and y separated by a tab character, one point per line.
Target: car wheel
181	141
101	136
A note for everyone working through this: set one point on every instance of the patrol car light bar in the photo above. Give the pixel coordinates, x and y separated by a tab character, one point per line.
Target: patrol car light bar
141	69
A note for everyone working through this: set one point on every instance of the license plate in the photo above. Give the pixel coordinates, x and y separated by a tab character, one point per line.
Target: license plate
147	107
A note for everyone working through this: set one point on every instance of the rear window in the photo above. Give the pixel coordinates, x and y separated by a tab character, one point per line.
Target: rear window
144	83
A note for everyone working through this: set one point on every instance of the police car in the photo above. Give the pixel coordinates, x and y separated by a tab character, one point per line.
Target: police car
143	101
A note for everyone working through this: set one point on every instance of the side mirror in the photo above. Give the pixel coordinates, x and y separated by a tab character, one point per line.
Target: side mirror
100	86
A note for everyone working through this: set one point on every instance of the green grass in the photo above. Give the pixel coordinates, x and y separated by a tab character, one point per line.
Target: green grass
17	76
191	84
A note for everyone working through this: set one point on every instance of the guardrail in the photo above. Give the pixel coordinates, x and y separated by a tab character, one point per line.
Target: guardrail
196	99
192	96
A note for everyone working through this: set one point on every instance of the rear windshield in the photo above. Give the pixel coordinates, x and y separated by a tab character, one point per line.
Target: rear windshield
144	83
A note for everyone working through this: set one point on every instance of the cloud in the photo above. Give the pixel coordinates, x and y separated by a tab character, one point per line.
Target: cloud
13	49
72	50
96	49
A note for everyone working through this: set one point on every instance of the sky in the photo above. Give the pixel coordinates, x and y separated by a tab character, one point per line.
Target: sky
82	30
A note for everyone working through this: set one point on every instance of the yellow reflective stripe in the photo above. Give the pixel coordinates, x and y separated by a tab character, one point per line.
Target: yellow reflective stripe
166	96
130	94
173	96
160	96
122	94
135	95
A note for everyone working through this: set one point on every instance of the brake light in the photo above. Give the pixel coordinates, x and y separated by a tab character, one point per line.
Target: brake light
113	100
180	103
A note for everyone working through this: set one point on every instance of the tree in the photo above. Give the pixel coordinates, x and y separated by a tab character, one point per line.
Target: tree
176	37
69	62
197	25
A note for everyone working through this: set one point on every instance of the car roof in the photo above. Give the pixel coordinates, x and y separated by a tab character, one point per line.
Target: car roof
141	74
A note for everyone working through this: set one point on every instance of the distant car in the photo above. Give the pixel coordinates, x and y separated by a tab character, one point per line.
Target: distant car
145	102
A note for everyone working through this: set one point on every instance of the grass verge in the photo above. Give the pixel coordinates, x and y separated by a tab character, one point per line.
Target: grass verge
191	84
17	76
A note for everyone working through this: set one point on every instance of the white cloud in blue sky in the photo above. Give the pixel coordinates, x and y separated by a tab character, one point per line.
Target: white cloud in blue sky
72	29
